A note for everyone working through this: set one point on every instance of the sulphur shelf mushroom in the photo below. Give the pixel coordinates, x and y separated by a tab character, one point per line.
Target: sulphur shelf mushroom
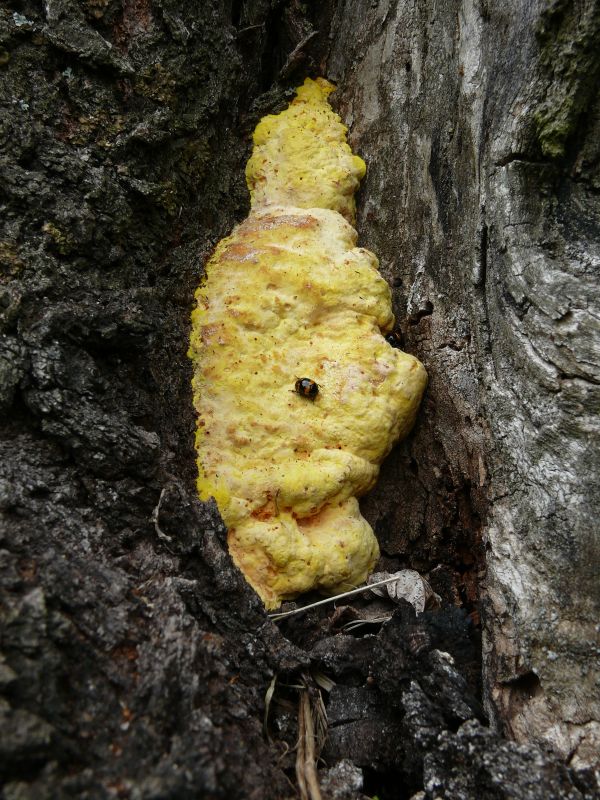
289	296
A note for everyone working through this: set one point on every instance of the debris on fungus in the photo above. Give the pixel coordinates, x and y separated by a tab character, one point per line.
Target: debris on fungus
288	297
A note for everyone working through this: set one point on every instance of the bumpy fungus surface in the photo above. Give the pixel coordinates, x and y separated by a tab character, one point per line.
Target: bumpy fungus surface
289	295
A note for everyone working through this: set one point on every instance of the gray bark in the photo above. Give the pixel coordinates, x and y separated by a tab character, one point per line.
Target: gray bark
480	128
134	660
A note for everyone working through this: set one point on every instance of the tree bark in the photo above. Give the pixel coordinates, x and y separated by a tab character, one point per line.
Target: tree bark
480	128
134	659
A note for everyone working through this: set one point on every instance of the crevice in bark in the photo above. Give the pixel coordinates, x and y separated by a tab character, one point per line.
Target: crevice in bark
237	8
390	786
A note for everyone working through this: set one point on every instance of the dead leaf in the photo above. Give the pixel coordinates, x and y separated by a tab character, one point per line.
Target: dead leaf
409	585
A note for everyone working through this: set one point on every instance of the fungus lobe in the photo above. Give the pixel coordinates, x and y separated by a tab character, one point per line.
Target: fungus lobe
289	293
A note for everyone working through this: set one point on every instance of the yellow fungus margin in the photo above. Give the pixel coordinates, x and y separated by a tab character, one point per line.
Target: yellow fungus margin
289	295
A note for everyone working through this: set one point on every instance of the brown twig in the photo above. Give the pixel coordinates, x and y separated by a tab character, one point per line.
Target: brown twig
300	752
335	598
296	56
306	756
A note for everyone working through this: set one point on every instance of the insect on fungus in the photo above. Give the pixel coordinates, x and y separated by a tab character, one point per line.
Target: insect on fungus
307	388
395	339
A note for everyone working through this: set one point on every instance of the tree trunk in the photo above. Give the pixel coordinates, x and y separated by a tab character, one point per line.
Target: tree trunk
480	128
135	661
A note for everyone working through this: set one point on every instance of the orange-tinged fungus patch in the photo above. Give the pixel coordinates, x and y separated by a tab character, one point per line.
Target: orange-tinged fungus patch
288	296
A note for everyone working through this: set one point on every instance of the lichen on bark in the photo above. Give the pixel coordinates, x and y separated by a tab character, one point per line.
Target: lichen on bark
568	35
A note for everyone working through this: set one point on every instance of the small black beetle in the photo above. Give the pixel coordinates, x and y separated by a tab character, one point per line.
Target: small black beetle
307	388
395	339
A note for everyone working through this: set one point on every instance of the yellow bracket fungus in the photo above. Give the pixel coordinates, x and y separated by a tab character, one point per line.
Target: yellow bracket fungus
289	296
